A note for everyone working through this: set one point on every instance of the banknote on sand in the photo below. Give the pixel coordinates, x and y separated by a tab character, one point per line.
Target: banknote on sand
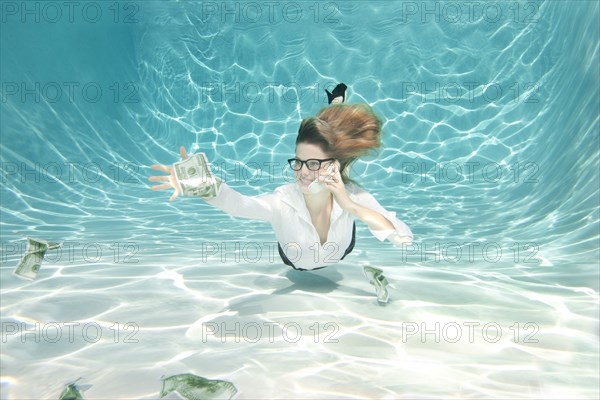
377	279
73	391
31	261
194	387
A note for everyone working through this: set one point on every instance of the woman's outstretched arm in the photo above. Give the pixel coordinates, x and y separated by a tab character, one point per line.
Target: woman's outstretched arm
228	200
238	205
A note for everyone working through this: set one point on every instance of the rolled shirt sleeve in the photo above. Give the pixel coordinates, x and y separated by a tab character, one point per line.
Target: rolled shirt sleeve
367	200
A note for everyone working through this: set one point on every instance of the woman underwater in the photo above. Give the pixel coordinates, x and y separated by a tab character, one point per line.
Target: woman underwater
316	228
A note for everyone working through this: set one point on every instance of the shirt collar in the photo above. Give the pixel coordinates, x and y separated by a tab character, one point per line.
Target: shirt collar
295	198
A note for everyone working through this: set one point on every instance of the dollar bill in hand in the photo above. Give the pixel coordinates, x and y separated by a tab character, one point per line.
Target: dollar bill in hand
194	177
31	262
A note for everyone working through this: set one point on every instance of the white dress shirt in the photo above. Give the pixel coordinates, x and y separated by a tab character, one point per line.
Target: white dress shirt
286	210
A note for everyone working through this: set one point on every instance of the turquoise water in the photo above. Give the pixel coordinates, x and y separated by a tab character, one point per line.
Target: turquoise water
490	155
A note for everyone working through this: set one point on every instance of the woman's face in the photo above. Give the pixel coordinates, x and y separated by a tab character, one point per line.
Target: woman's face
304	176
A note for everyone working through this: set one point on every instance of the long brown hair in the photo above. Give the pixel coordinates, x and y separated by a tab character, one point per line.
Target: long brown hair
346	131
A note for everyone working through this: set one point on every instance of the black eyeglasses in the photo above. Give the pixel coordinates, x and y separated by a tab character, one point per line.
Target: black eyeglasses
313	164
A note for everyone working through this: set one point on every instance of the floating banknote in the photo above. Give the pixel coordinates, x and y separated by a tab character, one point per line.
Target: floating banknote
71	392
193	387
31	262
376	278
195	178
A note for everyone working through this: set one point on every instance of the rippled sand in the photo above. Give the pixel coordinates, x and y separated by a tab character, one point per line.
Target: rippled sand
279	333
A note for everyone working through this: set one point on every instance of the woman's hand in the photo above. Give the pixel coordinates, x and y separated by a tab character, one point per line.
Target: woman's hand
171	178
333	182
